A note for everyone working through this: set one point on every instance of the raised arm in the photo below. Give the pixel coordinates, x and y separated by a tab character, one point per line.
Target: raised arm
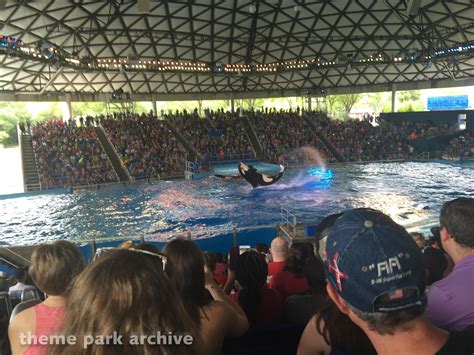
236	318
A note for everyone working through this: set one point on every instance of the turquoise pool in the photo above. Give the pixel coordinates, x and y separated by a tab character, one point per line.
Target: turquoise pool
411	192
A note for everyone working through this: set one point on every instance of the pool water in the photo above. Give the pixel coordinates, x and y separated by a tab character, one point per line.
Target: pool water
412	193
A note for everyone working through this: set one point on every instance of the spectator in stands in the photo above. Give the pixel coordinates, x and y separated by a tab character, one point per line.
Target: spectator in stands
216	317
291	279
279	250
20	278
147	148
210	261
450	303
261	304
376	277
126	291
435	264
262	248
70	156
419	239
299	308
53	269
221	266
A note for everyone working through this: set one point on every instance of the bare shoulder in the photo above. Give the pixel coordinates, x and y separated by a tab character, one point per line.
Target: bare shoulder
21	325
24	319
215	308
311	341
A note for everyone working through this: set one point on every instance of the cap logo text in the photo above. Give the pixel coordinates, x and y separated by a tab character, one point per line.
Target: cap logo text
388	266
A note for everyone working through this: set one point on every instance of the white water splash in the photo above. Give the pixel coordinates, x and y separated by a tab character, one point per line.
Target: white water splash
305	156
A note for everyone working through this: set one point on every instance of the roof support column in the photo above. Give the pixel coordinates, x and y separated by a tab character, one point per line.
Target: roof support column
309	99
67	110
232	103
154	106
394	97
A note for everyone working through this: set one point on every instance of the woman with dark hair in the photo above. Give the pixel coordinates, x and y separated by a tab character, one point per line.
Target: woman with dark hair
300	308
261	304
333	332
216	317
330	331
126	293
291	279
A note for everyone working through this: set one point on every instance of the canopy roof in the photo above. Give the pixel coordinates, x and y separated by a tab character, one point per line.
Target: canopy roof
211	48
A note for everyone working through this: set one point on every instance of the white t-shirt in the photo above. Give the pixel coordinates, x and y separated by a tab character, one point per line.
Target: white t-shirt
16	290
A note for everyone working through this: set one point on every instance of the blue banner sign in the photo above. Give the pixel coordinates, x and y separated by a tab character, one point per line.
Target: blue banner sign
453	102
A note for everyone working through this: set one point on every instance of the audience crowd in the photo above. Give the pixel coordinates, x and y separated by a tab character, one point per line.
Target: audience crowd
147	148
461	147
217	136
236	143
196	131
372	287
359	140
419	130
282	133
68	155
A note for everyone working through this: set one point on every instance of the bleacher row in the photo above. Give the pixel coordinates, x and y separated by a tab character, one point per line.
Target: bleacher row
69	154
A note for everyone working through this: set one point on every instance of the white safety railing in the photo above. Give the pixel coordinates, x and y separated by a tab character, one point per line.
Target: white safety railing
288	222
189	170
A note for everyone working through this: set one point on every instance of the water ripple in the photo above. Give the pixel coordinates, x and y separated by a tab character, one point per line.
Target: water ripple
411	193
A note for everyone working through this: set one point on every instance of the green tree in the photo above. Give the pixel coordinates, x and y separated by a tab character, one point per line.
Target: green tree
409	101
50	113
88	108
10	114
348	101
335	106
410	95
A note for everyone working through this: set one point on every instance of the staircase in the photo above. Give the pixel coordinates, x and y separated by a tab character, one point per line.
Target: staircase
30	171
322	138
257	147
192	152
114	159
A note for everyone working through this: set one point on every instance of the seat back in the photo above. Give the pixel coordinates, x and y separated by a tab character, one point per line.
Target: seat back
5	312
5	305
24	305
30	293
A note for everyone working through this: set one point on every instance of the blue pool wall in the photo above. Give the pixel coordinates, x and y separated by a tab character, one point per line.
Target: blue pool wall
221	243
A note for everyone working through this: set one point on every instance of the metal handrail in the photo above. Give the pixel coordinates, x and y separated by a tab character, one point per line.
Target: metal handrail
288	218
168	236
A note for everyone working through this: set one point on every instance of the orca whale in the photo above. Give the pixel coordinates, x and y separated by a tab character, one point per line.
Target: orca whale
256	179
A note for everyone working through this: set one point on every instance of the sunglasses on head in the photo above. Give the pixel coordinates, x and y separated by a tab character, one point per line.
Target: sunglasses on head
102	251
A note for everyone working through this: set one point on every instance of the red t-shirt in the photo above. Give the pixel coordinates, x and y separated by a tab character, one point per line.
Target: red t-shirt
271	306
286	283
220	279
275	267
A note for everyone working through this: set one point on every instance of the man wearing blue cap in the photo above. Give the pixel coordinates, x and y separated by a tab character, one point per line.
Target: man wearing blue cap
376	277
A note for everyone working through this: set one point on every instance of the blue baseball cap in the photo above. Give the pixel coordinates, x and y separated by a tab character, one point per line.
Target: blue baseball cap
374	263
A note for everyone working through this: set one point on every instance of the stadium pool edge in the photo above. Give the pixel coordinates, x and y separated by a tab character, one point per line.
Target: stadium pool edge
202	175
221	243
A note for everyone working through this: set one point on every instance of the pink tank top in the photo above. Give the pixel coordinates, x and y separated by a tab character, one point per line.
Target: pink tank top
48	321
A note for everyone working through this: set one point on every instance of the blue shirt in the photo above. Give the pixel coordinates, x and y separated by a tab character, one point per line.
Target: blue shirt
451	300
